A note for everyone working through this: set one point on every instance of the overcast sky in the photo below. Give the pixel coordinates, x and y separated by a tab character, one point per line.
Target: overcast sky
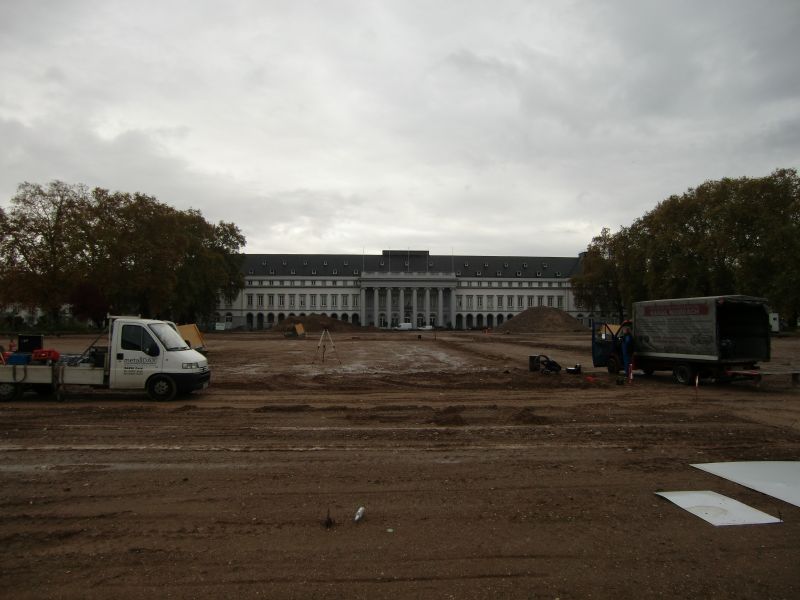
499	128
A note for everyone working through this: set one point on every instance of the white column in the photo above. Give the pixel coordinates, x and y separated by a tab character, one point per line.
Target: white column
440	316
414	306
453	307
389	307
375	305
427	306
402	304
362	309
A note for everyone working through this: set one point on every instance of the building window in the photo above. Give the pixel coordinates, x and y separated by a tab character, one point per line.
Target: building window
333	300
540	300
271	300
560	301
355	300
249	300
530	301
480	302
519	302
281	300
500	302
344	300
469	302
459	302
260	300
323	300
313	299
490	302
510	302
550	301
302	300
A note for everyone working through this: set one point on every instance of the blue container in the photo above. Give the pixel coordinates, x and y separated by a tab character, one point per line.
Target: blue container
19	358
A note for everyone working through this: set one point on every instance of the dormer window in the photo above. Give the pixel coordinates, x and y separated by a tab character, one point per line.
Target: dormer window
544	265
324	263
524	265
499	273
346	263
558	273
505	265
335	272
519	273
478	273
538	273
313	271
292	272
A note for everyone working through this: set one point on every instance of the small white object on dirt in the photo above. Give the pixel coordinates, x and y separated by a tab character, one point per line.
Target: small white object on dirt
359	514
718	509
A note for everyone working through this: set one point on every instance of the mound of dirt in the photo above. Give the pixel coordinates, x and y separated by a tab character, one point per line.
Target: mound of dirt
316	323
541	318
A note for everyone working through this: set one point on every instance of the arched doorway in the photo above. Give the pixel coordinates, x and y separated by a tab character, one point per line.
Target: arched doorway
260	321
470	322
345	317
499	320
479	322
249	320
459	322
490	321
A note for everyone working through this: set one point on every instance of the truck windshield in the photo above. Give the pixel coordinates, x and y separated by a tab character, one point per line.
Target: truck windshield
168	337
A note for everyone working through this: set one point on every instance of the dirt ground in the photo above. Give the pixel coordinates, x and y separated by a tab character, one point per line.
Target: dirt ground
479	479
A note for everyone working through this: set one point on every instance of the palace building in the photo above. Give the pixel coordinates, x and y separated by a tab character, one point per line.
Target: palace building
399	286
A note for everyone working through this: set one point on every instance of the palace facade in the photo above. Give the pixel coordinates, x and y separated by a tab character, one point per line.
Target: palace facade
399	286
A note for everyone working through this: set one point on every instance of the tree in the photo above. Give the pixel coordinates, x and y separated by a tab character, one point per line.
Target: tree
115	252
597	286
38	246
732	236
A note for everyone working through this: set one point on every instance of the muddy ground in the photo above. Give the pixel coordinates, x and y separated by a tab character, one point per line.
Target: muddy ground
479	478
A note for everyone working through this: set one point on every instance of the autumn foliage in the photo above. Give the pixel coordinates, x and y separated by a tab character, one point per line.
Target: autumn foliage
732	236
100	251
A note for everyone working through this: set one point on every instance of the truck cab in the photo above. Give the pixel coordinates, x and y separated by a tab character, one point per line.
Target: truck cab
149	354
607	346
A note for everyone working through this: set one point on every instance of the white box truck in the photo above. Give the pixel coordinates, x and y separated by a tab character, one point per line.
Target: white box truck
140	354
713	336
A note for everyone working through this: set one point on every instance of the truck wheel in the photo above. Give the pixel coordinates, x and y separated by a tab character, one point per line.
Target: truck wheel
161	388
683	374
10	391
612	365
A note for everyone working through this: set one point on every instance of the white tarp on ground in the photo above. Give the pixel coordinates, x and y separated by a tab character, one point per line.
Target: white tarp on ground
779	479
718	509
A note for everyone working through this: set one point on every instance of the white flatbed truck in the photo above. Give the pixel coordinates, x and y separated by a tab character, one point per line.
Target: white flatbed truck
141	354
